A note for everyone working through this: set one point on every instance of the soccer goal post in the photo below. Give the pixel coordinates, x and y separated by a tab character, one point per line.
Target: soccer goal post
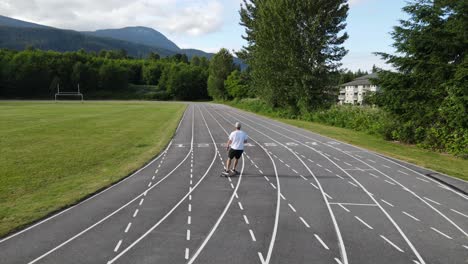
61	93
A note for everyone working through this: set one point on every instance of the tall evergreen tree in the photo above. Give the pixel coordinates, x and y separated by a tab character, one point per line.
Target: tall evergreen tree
429	92
293	49
221	65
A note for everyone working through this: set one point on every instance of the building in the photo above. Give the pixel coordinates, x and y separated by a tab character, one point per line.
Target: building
353	92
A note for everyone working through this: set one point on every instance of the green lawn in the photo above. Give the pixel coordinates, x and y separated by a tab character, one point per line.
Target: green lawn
53	155
440	162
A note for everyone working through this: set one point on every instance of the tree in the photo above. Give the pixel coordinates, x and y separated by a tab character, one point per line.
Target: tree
236	85
113	77
154	56
293	48
428	92
221	65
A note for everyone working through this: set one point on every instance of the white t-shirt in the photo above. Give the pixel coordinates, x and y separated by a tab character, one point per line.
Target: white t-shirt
237	139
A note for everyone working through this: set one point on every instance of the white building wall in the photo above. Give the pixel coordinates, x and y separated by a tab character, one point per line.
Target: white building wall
355	94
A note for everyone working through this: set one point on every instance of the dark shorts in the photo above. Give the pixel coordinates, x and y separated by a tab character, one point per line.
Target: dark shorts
235	153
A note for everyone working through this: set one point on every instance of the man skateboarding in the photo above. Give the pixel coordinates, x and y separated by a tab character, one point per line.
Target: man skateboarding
235	147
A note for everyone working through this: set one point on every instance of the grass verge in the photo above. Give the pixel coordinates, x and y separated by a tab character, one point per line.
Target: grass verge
53	155
440	162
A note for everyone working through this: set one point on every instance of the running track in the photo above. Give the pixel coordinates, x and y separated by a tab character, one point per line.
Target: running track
300	198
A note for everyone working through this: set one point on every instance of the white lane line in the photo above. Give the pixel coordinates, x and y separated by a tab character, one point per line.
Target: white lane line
189	220
371	160
422	179
237	196
388	167
190	197
128	227
431	201
386	202
188	235
391	243
465	246
373	175
321	242
232	185
344	208
402	172
156	171
302	176
292	208
281	160
272	185
328	170
414	218
252	235
328	196
295	171
337	175
338	261
191	182
260	256
141	201
135	213
266	178
149	184
347	163
364	223
246	220
118	246
440	232
389	182
282	197
314	185
152	178
304	222
186	253
357	204
416	262
303	156
287	165
261	172
229	178
462	214
190	207
352	183
310	160
319	165
240	205
256	166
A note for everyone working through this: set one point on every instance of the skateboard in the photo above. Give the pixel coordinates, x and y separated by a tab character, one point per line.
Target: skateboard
228	174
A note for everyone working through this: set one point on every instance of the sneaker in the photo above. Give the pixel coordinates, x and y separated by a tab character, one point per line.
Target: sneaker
234	171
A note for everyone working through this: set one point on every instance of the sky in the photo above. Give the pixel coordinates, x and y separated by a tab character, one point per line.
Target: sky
207	24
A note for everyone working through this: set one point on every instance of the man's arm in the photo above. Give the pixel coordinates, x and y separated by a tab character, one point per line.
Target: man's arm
228	144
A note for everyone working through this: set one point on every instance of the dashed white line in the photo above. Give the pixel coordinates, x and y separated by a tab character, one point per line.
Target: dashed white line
281	160
135	213
189	220
156	171
292	208
402	172
386	202
421	179
391	243
186	253
282	197
149	184
389	182
352	183
190	197
302	176
262	260
246	220
329	197
303	156
336	159
232	185
190	207
152	178
266	178
347	163
431	201
440	232
344	208
321	242
338	261
310	160
188	234
414	218
373	175
371	160
261	172
252	235
337	175
313	185
386	166
460	213
319	165
128	227
465	246
328	170
272	185
240	205
287	165
304	222
118	246
237	196
295	171
364	223
141	201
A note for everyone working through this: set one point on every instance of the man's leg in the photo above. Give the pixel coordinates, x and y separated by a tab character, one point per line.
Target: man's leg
235	163
228	164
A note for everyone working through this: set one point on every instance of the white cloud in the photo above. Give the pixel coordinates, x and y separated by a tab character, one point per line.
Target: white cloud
192	17
355	2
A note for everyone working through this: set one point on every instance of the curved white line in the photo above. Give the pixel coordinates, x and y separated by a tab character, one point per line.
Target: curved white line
113	213
174	207
278	192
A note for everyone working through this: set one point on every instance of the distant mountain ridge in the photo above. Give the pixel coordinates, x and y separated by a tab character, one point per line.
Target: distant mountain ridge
137	41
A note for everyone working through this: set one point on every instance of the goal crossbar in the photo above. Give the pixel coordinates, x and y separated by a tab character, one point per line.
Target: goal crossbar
77	93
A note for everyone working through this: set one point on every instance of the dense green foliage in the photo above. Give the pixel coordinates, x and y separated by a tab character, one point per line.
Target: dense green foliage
221	65
294	48
428	95
35	74
53	155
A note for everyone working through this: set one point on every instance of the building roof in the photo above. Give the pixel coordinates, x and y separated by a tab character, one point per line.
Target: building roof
363	80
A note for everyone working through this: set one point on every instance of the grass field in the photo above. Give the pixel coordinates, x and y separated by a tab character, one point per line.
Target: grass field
440	162
53	155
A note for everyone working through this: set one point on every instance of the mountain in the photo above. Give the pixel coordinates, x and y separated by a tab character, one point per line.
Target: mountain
140	35
11	22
